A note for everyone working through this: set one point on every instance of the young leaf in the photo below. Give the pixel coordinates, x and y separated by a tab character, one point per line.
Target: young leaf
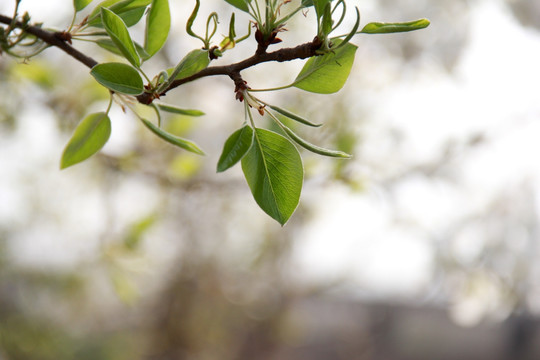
235	148
80	4
328	73
158	23
89	137
131	11
327	22
274	173
352	32
320	6
175	140
118	77
386	28
177	110
132	17
117	30
240	4
192	63
292	116
313	148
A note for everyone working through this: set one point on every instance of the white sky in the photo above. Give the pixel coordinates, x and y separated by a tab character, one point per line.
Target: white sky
495	89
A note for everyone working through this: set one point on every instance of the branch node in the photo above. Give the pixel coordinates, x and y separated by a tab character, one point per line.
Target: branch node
64	36
240	85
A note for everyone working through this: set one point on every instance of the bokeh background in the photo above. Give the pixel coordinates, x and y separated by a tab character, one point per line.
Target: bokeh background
423	246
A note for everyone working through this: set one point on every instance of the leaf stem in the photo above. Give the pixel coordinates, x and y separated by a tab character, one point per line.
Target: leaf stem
110	102
271	89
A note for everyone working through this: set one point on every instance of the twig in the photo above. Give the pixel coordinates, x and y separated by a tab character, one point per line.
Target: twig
53	39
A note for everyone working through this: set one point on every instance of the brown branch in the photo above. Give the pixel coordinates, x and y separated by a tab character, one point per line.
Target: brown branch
52	38
303	51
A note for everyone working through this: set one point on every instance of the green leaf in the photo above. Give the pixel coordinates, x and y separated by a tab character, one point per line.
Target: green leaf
320	6
158	23
314	148
132	17
327	21
328	73
109	45
117	30
131	11
236	146
386	28
293	116
352	32
80	4
240	4
118	77
175	140
192	63
89	137
177	110
274	173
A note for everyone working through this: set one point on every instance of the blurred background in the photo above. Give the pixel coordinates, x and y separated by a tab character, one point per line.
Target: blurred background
423	246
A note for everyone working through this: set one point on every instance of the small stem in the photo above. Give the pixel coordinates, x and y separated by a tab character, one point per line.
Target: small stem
145	76
72	22
51	39
94	33
83	39
154	106
272	89
248	111
13	22
110	103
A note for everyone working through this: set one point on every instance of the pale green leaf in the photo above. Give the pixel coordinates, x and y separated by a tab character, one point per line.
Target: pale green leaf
80	4
386	28
177	110
274	172
131	11
118	77
240	4
235	148
192	63
89	137
158	23
328	73
314	148
172	139
293	116
132	17
319	5
95	15
327	21
117	30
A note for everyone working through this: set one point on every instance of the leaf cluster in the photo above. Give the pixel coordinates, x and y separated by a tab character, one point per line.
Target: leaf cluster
270	161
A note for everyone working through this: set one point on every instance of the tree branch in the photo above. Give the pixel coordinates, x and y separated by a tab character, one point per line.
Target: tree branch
53	39
303	51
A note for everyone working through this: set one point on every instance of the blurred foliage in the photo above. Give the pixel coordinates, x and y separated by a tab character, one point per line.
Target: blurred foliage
223	286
